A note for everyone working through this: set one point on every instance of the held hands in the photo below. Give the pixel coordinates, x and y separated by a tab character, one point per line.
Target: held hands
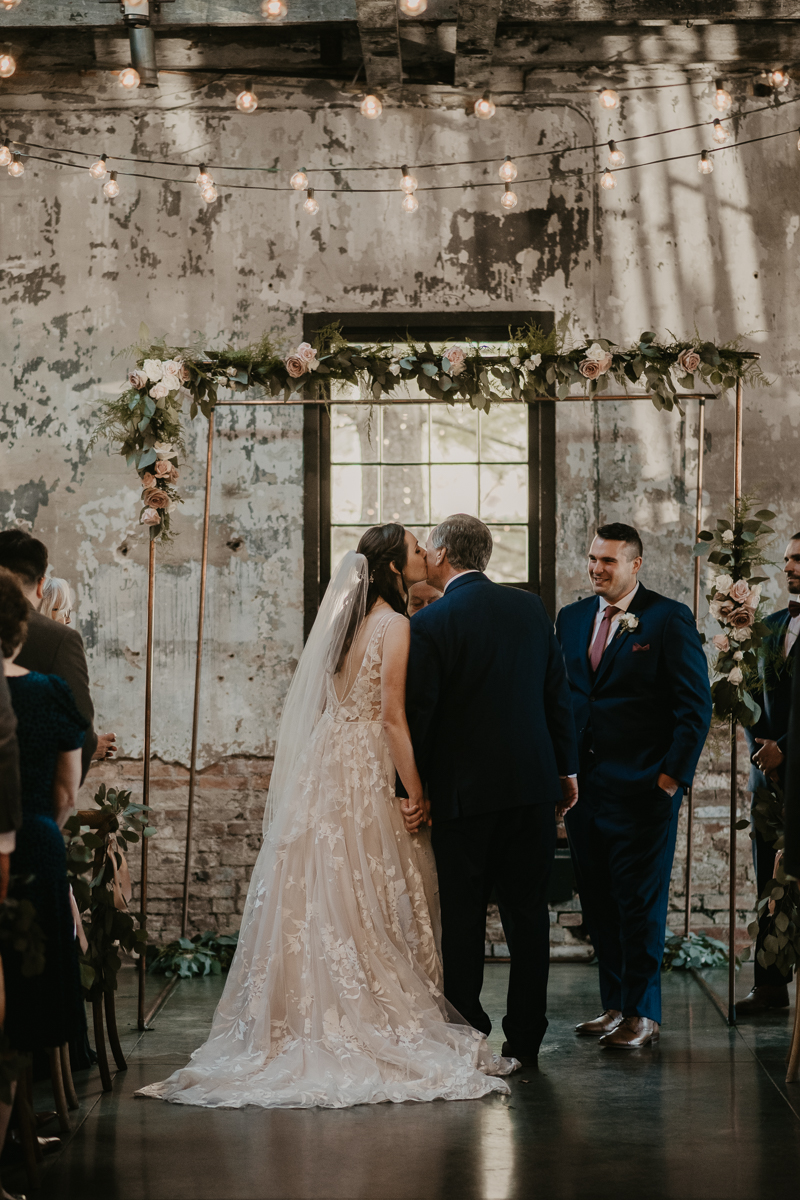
416	812
569	796
769	757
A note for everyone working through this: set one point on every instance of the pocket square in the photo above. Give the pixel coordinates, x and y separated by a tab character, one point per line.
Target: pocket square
636	647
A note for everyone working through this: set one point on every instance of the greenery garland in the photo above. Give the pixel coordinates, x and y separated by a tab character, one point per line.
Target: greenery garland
146	420
206	953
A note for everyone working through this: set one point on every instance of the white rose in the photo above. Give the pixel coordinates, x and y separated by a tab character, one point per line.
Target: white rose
735	676
533	361
165	450
394	368
514	361
723	583
171	382
159	390
596	352
727	536
738	656
153	369
741	635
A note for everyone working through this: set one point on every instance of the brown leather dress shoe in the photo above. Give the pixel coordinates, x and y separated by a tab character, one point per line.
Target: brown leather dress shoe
606	1023
631	1034
763	997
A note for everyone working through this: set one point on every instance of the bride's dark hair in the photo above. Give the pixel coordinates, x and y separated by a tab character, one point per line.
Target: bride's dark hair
382	546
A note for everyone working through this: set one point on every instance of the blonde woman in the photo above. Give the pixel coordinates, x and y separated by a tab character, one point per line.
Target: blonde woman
56	600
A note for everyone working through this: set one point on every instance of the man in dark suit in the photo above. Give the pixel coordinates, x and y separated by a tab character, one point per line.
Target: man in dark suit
10	805
642	707
791	858
490	718
50	648
767	740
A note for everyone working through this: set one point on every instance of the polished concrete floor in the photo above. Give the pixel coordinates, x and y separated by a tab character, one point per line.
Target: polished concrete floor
706	1115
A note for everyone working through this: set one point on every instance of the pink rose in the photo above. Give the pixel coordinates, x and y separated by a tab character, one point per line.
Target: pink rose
740	592
589	368
295	367
721	642
721	608
165	470
155	497
148	480
306	353
456	358
138	379
184	374
742	618
150	517
689	360
159	391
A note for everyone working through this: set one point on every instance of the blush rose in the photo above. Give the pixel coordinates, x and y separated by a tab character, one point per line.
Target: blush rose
689	360
150	517
156	497
295	367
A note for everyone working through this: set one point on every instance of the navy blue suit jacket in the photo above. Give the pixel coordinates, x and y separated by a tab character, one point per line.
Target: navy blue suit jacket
774	696
488	701
648	708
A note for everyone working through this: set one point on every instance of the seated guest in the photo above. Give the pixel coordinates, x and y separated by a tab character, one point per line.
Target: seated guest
420	595
56	600
46	1010
50	647
767	741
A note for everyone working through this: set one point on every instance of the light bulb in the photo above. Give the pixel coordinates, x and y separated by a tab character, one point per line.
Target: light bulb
9	4
371	107
98	169
485	107
705	165
209	193
615	157
129	78
778	79
720	134
299	181
111	189
508	198
508	171
16	167
203	179
310	205
409	183
608	181
273	10
798	144
5	154
413	8
722	99
7	66
410	202
247	101
609	98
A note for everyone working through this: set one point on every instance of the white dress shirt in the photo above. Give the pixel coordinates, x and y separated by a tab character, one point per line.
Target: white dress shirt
460	575
622	605
792	630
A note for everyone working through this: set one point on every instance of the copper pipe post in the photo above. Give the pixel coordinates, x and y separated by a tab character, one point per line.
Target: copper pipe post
737	496
698	523
187	862
148	713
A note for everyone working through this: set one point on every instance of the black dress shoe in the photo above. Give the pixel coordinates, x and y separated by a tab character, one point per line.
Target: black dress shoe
529	1061
762	997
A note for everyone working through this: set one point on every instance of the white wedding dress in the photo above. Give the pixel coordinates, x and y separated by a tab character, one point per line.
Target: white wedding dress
334	995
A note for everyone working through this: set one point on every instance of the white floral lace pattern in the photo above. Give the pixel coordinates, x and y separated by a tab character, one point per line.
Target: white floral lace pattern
334	994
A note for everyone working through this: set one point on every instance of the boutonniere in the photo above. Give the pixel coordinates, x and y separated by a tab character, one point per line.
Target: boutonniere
628	622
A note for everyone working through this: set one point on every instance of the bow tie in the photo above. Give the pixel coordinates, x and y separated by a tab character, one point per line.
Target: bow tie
794	609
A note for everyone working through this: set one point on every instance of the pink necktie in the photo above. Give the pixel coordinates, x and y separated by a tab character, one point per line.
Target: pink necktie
599	643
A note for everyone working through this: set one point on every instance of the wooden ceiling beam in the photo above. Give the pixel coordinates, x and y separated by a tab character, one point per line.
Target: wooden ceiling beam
380	42
475	37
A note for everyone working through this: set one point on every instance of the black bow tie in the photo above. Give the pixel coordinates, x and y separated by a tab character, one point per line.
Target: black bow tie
794	609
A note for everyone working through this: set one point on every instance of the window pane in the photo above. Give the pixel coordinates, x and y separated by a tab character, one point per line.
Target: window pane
454	434
509	561
340	390
405	495
504	493
405	433
344	538
504	433
453	490
354	438
354	494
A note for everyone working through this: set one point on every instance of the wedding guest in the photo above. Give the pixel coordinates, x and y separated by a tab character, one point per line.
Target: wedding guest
50	648
420	595
768	744
791	859
56	600
10	810
642	707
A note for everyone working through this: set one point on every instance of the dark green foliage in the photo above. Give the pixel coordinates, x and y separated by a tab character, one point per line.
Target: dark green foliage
697	950
206	953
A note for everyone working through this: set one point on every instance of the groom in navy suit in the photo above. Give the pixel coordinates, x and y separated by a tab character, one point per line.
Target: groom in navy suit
642	707
489	711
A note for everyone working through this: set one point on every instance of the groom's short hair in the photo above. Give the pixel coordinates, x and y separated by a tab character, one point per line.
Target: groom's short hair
467	541
617	532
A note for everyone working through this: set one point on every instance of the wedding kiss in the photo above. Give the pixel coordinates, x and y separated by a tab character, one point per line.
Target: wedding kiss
421	765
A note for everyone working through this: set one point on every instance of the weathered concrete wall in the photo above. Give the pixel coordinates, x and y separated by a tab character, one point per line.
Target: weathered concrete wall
666	250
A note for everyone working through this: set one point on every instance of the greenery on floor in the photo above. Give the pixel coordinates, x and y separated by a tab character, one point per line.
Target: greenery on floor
206	953
696	950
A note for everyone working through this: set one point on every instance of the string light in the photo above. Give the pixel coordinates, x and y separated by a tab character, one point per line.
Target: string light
209	193
9	4
111	188
310	205
508	171
705	166
247	101
408	183
413	8
608	181
798	143
485	107
410	203
508	198
203	179
5	154
16	167
371	107
7	66
778	79
299	181
615	157
129	78
98	169
273	10
720	134
722	99
609	98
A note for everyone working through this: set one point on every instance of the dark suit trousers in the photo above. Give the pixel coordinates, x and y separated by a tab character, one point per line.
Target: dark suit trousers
764	863
622	852
513	852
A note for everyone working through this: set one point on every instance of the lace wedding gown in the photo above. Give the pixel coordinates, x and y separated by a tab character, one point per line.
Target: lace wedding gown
334	996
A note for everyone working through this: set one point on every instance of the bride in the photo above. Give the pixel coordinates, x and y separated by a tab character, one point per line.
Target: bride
334	995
